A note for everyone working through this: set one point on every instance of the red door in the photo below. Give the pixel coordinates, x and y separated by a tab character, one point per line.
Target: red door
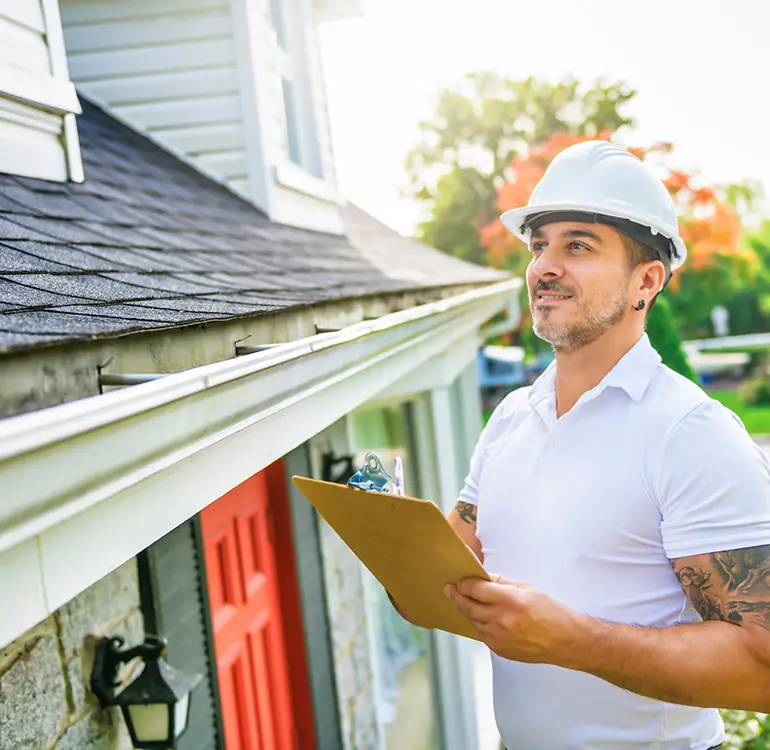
250	635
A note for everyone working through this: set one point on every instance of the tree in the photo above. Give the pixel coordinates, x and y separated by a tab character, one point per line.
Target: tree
482	125
719	264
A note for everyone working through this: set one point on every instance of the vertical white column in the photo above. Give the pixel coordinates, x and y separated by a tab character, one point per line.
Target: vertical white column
453	654
470	403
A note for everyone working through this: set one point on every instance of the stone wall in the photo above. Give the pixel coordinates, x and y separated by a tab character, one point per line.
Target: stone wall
44	704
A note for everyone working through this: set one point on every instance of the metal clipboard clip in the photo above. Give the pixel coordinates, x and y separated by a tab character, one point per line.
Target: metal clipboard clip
371	476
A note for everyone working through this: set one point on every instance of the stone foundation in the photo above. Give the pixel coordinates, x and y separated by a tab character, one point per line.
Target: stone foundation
44	702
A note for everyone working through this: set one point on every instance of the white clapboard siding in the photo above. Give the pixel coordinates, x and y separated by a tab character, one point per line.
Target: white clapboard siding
205	139
23	47
30	142
155	87
210	24
96	13
36	96
26	14
167	67
227	164
204	77
193	55
192	112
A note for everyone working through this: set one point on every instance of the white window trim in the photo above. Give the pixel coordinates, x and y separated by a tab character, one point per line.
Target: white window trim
292	176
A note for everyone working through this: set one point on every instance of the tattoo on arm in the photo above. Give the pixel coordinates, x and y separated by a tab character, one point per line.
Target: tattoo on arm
466	511
733	586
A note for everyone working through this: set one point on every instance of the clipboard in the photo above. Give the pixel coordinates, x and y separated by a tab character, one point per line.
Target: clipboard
406	543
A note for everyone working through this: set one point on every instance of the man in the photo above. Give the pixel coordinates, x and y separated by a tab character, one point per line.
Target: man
624	513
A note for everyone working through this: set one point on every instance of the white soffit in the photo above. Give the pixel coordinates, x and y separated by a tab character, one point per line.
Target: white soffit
92	482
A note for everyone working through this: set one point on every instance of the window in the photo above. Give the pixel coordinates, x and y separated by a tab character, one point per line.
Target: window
276	15
301	136
292	125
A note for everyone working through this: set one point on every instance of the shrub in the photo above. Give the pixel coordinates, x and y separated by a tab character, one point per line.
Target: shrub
755	392
664	336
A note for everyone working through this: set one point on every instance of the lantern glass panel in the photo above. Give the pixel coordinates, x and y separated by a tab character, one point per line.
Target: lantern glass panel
151	721
180	714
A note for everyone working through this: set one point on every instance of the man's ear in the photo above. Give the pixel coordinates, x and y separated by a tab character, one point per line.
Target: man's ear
652	279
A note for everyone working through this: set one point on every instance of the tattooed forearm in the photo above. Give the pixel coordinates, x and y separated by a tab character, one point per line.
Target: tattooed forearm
733	586
466	511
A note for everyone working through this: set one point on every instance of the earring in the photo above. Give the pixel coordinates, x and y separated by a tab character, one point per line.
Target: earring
640	305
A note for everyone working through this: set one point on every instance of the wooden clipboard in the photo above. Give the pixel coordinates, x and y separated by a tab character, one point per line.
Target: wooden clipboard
407	544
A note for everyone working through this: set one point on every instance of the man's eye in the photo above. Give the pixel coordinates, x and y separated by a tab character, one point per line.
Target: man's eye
536	247
577	246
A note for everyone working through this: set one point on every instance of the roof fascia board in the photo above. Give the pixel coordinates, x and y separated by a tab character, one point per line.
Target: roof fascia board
92	495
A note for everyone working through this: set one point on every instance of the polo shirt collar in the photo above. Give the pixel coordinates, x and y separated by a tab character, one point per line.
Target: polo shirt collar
631	374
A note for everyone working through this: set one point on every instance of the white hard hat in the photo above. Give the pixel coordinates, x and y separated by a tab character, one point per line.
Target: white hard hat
601	182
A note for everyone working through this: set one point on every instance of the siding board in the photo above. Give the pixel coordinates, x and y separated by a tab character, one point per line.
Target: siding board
206	139
191	112
168	67
88	66
28	14
23	47
138	33
94	13
186	84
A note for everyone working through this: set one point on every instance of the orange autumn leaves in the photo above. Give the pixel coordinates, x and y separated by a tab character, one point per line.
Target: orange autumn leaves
709	226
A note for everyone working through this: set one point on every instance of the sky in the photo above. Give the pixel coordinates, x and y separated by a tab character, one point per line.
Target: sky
701	69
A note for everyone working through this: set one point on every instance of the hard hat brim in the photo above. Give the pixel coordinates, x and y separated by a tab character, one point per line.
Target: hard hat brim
515	221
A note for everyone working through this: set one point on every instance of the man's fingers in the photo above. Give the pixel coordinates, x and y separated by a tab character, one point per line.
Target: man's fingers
489	592
473	610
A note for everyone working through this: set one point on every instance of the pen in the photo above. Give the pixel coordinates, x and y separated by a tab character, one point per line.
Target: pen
398	477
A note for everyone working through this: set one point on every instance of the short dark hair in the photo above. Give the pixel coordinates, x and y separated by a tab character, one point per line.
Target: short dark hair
639	253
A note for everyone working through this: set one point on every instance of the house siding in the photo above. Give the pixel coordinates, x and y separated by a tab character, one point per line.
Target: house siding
205	79
32	140
167	67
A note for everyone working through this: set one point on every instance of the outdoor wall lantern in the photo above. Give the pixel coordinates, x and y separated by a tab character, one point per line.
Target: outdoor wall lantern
156	703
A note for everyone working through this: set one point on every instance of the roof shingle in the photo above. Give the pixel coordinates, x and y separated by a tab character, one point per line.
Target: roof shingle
148	242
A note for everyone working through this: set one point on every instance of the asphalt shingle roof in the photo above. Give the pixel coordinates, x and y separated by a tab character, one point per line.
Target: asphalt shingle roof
148	242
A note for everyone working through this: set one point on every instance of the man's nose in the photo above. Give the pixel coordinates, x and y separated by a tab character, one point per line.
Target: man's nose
548	264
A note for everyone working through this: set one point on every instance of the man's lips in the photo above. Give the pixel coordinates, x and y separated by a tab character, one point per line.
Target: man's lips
552	297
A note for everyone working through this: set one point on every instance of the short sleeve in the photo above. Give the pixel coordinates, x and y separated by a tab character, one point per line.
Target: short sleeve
496	423
714	485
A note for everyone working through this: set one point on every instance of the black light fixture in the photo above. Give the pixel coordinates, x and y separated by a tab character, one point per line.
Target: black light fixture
156	703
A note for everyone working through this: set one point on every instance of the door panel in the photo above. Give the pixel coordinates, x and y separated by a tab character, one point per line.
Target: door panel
249	642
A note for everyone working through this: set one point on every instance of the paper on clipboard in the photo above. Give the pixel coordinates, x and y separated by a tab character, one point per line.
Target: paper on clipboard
406	543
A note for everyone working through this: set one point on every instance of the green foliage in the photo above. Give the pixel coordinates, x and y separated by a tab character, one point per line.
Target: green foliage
664	336
477	129
746	730
756	419
755	392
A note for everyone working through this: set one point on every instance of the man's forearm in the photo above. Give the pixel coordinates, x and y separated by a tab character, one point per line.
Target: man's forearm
708	664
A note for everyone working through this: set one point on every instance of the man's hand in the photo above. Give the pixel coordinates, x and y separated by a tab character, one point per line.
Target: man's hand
517	621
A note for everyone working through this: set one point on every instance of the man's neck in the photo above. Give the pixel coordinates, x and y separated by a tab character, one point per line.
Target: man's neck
582	369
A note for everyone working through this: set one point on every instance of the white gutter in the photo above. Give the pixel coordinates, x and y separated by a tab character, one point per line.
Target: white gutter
85	486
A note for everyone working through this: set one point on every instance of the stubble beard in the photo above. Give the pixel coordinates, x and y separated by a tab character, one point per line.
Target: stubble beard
593	321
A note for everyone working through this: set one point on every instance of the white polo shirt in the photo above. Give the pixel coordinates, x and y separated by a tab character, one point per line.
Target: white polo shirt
590	508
